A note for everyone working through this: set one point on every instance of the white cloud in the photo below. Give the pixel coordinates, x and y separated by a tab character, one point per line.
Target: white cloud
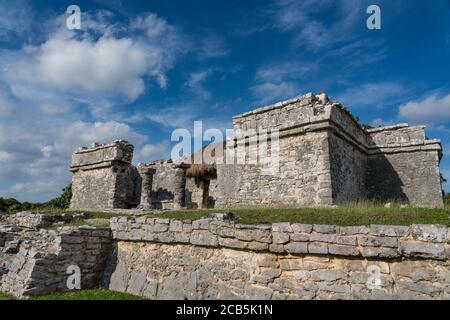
157	151
15	18
35	149
269	92
107	64
300	18
212	47
431	110
280	81
195	83
376	94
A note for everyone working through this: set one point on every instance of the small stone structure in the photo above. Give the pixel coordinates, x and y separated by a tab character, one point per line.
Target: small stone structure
325	157
103	177
36	261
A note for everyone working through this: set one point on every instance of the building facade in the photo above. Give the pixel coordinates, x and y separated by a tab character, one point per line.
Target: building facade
323	157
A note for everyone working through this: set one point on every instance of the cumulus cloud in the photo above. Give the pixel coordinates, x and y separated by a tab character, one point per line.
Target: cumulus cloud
212	47
431	110
300	18
15	19
375	94
279	81
37	160
157	151
103	59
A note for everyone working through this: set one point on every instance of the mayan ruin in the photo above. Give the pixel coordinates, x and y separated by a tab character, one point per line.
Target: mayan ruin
325	158
224	159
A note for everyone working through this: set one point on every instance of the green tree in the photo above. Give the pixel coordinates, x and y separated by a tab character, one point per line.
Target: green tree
63	201
7	203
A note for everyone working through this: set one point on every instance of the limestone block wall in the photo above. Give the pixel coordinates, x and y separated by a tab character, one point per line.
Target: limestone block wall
348	165
213	259
103	177
41	264
163	184
404	166
394	163
303	178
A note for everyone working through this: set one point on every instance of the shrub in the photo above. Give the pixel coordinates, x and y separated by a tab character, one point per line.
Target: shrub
447	199
6	204
63	201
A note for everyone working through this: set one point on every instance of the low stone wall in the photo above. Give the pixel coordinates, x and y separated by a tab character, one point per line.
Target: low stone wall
213	259
41	264
35	220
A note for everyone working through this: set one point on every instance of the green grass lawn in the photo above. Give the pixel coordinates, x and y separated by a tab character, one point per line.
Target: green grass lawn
349	215
4	296
92	294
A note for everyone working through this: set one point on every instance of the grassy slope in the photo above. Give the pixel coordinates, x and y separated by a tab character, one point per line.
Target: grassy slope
92	294
4	296
351	214
347	215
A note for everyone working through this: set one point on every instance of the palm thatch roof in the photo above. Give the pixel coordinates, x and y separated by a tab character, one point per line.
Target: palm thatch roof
203	170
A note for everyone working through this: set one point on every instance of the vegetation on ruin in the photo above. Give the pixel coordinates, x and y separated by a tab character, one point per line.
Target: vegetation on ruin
11	205
446	199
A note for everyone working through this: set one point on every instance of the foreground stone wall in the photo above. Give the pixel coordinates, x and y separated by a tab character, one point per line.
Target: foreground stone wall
40	266
212	259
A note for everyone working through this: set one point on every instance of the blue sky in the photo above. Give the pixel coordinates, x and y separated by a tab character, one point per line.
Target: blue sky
137	70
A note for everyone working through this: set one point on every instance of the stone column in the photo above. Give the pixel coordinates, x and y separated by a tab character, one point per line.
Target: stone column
179	190
146	187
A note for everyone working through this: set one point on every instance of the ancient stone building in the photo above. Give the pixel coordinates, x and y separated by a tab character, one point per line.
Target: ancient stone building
323	157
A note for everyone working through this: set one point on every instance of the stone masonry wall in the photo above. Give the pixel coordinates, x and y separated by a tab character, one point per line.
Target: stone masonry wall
163	184
348	171
103	177
303	177
389	163
40	265
404	166
214	259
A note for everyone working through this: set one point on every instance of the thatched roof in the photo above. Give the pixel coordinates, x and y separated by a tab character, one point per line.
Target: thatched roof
203	169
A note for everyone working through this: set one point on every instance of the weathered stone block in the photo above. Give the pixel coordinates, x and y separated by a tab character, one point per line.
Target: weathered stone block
203	238
375	241
429	232
323	228
299	237
320	237
280	237
390	231
296	247
317	248
423	249
282	227
202	224
301	228
353	230
380	252
343	250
